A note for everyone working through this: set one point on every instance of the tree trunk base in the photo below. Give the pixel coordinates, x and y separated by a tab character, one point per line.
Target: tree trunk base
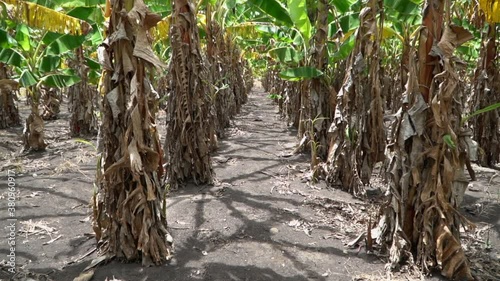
34	133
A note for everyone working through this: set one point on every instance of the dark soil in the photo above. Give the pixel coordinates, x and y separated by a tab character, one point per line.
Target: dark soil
263	219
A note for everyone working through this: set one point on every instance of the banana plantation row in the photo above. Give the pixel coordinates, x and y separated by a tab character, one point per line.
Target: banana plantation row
412	93
408	84
203	90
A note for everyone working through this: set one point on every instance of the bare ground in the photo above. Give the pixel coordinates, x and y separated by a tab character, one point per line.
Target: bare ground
262	220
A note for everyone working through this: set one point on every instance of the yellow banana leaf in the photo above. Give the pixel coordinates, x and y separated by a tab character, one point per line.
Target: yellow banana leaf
160	31
347	35
387	32
491	9
41	17
246	30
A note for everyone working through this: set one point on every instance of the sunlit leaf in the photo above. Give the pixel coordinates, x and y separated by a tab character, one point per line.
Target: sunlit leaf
491	9
23	37
247	30
298	13
389	32
343	5
274	9
161	29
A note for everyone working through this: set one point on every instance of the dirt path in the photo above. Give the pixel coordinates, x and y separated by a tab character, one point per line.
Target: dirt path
261	221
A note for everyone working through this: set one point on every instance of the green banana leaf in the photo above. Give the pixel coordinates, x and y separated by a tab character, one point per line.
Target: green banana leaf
60	80
49	63
58	44
27	78
300	73
92	64
286	55
274	9
345	49
298	13
11	57
343	6
6	41
23	37
481	111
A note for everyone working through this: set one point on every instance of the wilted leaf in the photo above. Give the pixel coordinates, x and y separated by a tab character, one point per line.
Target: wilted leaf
143	50
112	98
40	17
450	255
135	159
85	276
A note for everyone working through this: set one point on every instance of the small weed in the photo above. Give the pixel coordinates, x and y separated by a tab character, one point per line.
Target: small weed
275	96
87	143
314	144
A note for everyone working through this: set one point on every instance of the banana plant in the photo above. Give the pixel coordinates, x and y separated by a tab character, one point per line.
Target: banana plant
131	155
35	50
484	116
190	129
83	97
9	113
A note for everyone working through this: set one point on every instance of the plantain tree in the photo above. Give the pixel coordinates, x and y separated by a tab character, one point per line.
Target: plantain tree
83	97
9	114
486	90
39	64
129	218
321	96
190	124
358	137
227	66
218	57
421	222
